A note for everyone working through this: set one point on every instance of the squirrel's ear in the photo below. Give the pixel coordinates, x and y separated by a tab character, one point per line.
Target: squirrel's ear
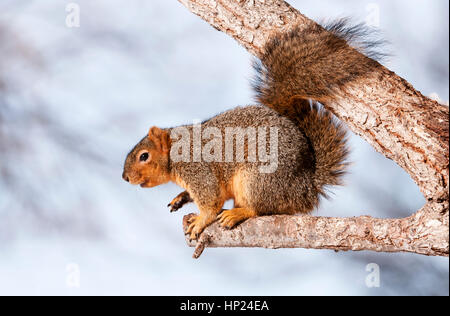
160	138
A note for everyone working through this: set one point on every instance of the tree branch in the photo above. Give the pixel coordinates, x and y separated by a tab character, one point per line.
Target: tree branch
423	233
386	111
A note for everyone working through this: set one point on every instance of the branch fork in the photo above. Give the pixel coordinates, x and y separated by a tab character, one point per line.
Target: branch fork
384	109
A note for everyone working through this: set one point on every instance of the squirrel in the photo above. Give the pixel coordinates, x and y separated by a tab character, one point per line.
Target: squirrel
297	69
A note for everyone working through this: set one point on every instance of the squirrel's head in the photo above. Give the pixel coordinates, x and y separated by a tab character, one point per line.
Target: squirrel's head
147	164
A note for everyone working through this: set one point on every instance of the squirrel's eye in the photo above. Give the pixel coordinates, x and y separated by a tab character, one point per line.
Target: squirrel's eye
144	157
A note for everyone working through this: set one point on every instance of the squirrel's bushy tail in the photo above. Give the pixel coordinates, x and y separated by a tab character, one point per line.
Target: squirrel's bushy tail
327	137
314	63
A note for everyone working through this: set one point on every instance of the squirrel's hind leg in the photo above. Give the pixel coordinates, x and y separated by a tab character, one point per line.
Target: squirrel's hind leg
229	219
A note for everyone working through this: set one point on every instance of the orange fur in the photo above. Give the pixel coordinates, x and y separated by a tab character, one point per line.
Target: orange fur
231	218
155	171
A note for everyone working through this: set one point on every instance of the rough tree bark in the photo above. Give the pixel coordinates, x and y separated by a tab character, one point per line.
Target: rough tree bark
384	109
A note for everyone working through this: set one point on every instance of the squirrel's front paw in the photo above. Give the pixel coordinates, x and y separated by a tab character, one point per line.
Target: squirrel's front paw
179	201
196	226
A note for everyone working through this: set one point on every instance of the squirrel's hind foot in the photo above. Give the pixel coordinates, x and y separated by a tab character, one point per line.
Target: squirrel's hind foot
231	218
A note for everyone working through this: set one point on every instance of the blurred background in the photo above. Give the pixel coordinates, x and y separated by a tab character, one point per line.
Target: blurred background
74	100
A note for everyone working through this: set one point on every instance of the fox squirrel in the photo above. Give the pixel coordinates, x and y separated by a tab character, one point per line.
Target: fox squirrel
297	69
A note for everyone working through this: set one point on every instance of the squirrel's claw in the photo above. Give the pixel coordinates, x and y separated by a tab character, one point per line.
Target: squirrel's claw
229	219
196	227
179	201
226	220
174	207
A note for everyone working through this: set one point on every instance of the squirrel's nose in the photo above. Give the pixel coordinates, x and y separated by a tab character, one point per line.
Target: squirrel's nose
125	177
